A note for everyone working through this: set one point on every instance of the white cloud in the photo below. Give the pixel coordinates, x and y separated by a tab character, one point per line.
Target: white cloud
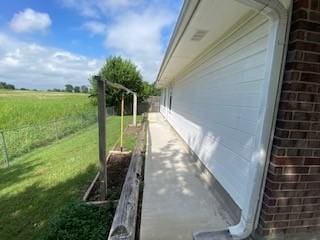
35	66
29	20
139	37
132	28
96	8
95	27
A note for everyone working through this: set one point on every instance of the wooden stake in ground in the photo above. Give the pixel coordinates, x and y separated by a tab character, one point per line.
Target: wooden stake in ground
121	128
102	136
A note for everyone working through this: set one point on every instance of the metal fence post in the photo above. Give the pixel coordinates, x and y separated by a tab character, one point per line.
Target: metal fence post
56	128
6	155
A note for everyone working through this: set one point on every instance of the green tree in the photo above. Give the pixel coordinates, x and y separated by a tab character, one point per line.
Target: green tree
124	72
4	85
84	89
76	89
69	88
150	90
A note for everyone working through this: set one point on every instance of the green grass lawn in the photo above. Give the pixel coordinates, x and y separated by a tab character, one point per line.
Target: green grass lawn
43	181
29	119
19	108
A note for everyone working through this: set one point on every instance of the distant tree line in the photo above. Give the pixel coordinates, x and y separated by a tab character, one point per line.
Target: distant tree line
4	85
71	88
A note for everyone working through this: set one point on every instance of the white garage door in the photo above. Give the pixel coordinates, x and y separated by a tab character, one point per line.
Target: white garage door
215	106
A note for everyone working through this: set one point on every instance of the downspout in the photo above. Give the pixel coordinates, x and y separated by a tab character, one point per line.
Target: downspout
278	16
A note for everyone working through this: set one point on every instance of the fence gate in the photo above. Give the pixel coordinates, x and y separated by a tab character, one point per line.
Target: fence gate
154	103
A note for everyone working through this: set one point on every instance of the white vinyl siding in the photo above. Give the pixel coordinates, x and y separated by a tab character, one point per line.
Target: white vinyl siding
216	105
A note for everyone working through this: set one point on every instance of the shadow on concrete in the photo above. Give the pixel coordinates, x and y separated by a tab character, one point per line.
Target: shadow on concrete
176	201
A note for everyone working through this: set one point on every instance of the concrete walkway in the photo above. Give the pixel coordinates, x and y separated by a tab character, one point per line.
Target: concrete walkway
175	201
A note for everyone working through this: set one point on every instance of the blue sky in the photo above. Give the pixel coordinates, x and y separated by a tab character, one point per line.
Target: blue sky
46	44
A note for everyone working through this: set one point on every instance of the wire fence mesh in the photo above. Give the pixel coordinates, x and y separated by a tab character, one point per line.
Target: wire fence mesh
21	140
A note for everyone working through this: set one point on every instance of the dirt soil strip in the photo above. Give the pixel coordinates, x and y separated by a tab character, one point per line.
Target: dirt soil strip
117	168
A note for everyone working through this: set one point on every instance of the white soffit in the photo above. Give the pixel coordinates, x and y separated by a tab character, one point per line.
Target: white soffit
210	22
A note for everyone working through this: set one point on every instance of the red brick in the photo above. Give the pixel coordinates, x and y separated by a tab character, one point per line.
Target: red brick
308	97
288	96
289	201
298	134
298	106
306	116
275	169
287	160
300	4
305	46
313	185
295	170
310	208
314	200
313	16
310	178
283	115
306	215
296	223
305	25
283	178
314	170
310	77
313	135
281	133
294	56
312	161
315	126
314	144
278	151
297	35
290	143
299	14
304	66
311	57
294	125
295	152
307	193
291	76
292	186
266	217
301	87
316	153
316	108
315	5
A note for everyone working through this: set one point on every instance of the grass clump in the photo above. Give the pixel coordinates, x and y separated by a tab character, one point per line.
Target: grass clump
80	221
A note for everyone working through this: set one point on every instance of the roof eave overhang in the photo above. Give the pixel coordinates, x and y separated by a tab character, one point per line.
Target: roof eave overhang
186	13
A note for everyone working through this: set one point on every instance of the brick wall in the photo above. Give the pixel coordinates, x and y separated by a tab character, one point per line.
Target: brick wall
291	201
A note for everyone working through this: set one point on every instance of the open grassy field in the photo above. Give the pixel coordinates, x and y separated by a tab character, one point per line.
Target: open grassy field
43	181
32	119
20	108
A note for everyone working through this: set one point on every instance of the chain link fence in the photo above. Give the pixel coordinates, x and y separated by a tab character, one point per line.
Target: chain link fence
21	140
